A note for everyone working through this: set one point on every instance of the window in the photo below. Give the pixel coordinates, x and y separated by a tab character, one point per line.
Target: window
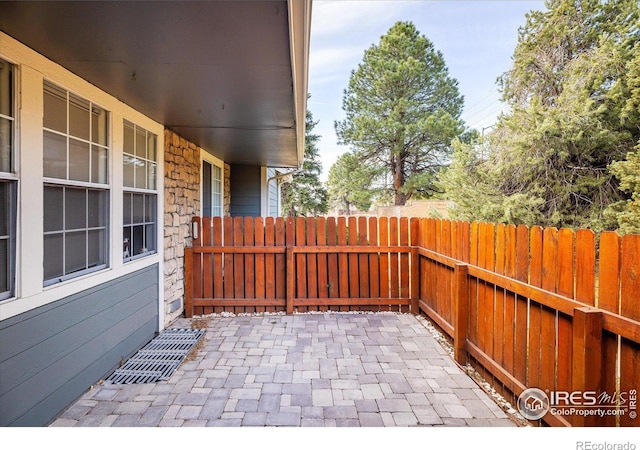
211	190
8	182
140	195
76	190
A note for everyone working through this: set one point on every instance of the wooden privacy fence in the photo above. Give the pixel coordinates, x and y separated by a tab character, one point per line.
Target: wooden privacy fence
526	307
543	308
304	264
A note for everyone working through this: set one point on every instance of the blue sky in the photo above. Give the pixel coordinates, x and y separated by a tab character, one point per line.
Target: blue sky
476	37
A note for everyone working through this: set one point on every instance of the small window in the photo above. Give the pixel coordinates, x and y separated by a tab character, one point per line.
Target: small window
211	190
139	203
76	190
8	182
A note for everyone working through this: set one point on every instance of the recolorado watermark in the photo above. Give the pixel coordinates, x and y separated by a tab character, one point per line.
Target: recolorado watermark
590	445
534	404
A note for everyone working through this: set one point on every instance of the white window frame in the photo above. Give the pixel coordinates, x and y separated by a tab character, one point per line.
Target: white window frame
69	184
146	192
209	158
11	179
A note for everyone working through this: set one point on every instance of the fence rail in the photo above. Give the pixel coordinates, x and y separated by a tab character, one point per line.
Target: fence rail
526	307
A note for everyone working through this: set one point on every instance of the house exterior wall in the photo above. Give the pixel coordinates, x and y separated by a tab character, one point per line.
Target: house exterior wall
50	355
58	337
182	202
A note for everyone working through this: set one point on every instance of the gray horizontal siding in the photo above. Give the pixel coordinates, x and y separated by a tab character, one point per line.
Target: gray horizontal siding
51	355
245	189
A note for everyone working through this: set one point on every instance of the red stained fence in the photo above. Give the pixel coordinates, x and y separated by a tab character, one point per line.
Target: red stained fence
305	264
534	307
527	307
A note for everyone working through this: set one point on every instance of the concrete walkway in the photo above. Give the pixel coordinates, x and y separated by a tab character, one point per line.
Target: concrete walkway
325	370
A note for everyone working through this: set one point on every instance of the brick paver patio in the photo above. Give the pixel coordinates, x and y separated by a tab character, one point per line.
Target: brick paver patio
323	370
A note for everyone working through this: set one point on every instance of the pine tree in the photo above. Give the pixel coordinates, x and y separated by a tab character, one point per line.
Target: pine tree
349	184
568	91
402	111
306	194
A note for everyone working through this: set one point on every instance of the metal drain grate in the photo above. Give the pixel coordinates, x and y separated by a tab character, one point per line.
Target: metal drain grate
159	358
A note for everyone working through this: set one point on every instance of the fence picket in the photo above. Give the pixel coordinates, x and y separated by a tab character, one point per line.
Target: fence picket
363	259
260	284
323	281
207	264
270	262
301	261
393	258
384	262
404	263
218	287
548	335
374	275
535	313
630	307
249	264
566	277
343	262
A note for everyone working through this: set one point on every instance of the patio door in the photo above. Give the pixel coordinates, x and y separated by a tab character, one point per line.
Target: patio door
211	183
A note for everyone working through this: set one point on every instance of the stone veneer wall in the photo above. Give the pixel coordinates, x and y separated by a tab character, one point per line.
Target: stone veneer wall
181	203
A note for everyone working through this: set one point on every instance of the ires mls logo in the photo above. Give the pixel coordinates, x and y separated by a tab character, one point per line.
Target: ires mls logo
534	403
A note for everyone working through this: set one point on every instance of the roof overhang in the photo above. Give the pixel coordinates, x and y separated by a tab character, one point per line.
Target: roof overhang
230	76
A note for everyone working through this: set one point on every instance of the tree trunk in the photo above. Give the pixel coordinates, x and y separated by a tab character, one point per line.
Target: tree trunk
398	181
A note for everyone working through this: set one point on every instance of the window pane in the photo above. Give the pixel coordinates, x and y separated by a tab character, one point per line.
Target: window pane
129	171
53	251
5	208
151	175
55	156
129	144
75	252
97	206
151	149
150	208
4	265
138	208
126	208
141	174
79	117
6	137
141	143
126	247
138	239
97	248
55	108
78	160
6	88
99	126
150	238
75	211
98	165
53	208
206	189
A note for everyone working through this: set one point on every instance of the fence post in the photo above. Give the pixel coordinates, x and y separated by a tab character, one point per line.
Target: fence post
415	280
291	276
188	282
460	312
587	356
